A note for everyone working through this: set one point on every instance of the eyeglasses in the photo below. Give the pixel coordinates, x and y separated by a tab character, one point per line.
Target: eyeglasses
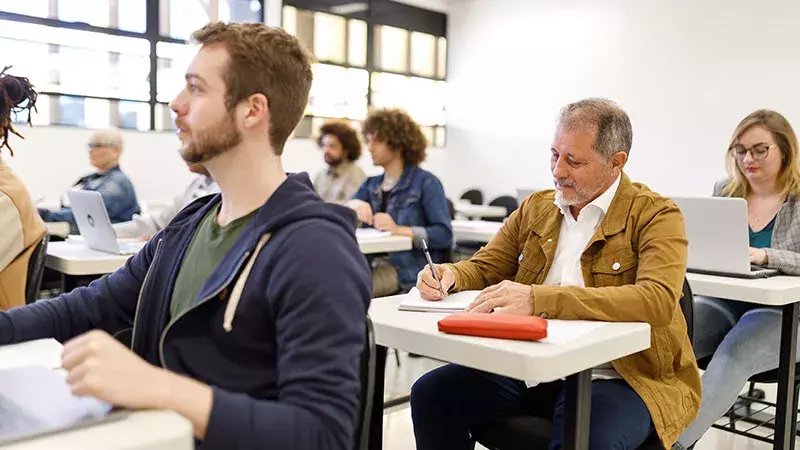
757	152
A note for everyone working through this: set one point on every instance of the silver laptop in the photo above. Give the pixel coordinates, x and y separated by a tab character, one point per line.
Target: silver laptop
719	243
95	226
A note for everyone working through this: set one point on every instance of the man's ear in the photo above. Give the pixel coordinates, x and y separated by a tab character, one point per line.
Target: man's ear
618	160
257	110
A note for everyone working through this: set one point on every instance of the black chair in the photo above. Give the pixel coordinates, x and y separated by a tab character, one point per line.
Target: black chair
535	433
475	196
506	201
366	374
33	281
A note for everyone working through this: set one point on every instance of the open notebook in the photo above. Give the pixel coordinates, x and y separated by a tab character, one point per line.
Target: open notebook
371	233
452	303
35	399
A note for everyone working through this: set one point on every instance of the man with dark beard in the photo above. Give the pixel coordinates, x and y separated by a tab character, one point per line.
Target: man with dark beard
247	311
341	148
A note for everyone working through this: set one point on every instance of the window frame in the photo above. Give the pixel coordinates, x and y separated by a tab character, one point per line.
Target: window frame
153	34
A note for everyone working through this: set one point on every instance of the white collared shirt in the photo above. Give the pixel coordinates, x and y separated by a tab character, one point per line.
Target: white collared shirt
575	236
572	241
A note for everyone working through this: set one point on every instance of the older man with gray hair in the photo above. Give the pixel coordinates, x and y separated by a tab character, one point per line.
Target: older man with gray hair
598	247
119	197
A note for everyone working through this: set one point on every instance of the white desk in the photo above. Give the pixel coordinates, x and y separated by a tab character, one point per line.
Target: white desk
142	430
480	211
475	230
385	244
418	333
74	259
783	292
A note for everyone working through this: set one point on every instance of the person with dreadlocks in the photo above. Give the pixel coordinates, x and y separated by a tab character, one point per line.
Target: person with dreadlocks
20	226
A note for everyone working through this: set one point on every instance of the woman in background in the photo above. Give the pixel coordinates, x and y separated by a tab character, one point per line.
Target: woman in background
20	226
744	338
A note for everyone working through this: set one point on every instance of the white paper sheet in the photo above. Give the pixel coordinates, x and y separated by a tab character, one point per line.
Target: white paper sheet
563	331
43	352
452	303
371	233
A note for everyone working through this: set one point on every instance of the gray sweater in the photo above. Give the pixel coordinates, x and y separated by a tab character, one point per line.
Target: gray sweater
784	251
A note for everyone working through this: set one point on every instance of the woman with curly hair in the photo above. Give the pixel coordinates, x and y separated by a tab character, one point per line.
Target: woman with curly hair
20	226
405	200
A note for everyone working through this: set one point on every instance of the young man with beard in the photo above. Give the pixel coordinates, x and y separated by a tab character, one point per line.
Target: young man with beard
341	148
247	311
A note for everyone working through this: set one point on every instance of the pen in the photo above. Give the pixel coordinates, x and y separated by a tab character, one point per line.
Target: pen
430	264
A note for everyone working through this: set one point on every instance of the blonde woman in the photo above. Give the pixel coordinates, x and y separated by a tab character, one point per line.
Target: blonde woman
20	226
744	338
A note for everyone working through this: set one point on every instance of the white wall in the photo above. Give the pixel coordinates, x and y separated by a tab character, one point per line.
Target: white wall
686	71
50	159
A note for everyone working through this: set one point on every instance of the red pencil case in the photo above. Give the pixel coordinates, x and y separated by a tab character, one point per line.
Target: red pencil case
523	328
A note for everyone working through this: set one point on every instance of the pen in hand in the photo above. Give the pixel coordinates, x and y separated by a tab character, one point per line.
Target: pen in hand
433	269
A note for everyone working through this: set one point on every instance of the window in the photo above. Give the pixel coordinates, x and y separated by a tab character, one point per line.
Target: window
173	60
98	78
239	11
71	111
423	54
338	92
329	38
133	115
406	69
391	49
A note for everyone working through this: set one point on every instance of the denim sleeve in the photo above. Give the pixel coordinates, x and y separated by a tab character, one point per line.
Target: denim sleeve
62	215
362	193
119	198
437	216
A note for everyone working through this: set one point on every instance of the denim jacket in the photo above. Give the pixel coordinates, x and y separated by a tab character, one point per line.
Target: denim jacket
118	197
416	201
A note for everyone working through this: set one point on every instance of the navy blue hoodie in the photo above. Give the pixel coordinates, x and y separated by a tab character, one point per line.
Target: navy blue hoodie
286	374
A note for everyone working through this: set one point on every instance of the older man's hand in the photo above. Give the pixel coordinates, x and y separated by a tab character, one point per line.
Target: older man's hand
506	297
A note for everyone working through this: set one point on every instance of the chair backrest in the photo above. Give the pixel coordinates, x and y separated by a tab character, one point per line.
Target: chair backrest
475	196
506	201
451	209
687	307
367	371
33	282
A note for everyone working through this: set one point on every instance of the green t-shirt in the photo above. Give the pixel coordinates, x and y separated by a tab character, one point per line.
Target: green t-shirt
209	245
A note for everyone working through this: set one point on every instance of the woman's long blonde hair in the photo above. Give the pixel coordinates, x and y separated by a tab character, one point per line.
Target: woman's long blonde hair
782	132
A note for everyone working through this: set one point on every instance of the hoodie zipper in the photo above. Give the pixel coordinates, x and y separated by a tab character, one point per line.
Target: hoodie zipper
201	302
141	290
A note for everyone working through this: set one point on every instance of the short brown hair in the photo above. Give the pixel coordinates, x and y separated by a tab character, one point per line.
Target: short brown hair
399	131
783	134
346	135
264	60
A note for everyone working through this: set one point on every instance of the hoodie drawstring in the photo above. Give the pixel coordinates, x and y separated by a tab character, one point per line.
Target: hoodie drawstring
236	293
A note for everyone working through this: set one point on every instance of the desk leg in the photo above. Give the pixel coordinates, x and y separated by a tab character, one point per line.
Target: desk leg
785	412
578	401
68	282
376	424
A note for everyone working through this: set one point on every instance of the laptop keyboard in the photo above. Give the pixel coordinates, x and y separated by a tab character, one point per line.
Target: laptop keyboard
14	421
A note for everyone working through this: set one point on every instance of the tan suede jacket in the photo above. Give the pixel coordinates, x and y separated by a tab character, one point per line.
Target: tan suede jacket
642	232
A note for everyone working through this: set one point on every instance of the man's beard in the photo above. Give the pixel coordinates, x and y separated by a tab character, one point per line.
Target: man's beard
334	162
584	195
212	141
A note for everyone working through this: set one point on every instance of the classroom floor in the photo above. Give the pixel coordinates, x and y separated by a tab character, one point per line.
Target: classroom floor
398	432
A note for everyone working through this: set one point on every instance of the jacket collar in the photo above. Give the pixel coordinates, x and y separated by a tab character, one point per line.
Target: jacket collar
614	221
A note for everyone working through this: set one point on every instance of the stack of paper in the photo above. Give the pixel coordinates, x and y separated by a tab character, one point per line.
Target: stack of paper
370	233
452	303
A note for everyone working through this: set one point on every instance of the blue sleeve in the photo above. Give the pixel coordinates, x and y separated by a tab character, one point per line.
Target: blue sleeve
363	192
318	298
108	304
438	229
62	215
119	197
